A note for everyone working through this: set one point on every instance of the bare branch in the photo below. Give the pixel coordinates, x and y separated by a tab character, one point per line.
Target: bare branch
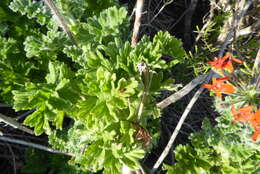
177	129
254	28
25	114
33	145
138	15
5	105
257	61
257	69
188	19
15	124
161	9
143	68
181	93
209	20
179	19
236	20
192	85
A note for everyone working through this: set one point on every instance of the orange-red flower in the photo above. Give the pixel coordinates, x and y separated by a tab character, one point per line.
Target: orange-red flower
255	135
246	114
256	119
243	114
219	86
256	124
224	62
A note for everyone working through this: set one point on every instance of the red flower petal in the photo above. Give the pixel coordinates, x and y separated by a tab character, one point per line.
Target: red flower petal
255	135
224	62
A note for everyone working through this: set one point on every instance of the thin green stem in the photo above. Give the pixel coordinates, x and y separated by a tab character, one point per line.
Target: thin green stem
147	82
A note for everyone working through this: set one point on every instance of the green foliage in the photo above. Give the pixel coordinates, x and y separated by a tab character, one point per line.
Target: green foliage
13	25
51	99
45	47
101	30
248	49
14	71
227	147
98	83
32	9
82	9
214	151
95	150
224	148
38	162
15	68
205	47
72	10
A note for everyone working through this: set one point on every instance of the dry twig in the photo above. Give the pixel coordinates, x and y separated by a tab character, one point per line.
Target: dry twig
191	86
195	97
161	9
176	130
209	20
137	24
257	69
243	7
33	145
15	124
257	61
181	93
188	20
181	121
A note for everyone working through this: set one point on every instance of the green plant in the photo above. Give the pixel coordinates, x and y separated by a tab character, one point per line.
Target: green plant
38	162
100	83
226	147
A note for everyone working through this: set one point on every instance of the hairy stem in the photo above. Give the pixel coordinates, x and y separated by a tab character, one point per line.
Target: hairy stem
147	81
